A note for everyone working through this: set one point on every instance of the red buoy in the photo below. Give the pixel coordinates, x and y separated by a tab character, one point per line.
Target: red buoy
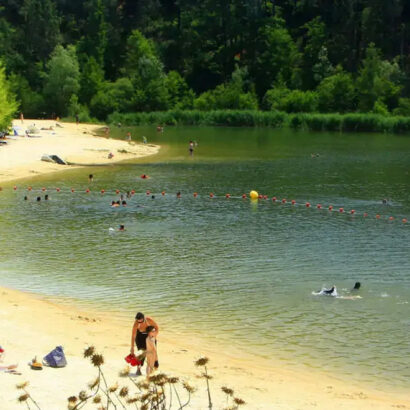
274	199
244	196
102	191
228	196
330	207
365	214
211	195
72	189
133	192
29	188
43	189
265	197
148	192
87	191
404	220
341	210
377	216
391	218
319	206
307	205
163	193
58	189
195	194
352	212
293	202
15	188
117	191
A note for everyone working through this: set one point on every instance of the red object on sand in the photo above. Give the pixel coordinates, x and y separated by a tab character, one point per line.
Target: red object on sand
132	360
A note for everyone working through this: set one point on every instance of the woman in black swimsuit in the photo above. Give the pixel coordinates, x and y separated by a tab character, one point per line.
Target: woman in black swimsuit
140	334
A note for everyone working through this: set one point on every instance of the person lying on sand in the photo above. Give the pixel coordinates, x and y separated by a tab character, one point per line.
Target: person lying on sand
139	336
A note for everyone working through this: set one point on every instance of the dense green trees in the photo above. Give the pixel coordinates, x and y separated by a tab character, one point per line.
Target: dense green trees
105	56
7	102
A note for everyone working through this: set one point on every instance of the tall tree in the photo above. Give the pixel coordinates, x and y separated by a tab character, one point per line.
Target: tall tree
62	79
8	105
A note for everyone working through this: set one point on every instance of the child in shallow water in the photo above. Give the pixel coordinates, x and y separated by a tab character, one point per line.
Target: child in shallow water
151	352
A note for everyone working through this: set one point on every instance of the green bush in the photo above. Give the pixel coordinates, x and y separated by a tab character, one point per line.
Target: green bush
283	99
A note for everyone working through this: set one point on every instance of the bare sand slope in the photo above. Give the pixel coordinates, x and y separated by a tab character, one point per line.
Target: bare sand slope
31	326
21	157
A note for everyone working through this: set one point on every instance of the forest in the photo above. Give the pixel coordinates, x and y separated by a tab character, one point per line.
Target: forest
100	58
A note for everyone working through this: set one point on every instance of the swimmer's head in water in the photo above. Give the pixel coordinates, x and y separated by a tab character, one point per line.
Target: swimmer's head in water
46	197
152	196
38	199
357	285
124	203
25	198
122	228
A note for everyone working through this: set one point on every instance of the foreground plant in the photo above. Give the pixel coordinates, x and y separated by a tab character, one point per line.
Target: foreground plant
25	396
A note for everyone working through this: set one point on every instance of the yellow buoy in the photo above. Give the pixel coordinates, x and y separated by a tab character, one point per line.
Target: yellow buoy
253	195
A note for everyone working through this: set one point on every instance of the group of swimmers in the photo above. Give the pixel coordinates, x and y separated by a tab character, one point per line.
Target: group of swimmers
38	199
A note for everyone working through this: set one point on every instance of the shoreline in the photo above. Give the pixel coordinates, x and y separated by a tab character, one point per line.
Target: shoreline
32	325
76	144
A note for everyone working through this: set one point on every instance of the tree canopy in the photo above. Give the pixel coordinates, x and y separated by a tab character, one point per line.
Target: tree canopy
105	56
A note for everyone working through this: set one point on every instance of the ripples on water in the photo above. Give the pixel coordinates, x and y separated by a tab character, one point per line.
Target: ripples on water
231	269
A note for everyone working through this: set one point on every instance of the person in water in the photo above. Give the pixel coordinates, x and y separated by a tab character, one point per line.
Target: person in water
191	148
121	228
46	197
139	336
357	286
151	352
329	292
25	198
178	194
38	198
124	203
91	177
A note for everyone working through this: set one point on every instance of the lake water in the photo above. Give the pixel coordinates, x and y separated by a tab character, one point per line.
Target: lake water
232	269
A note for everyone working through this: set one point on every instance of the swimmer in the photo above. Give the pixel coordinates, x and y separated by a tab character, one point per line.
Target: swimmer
128	194
38	199
152	196
326	292
121	228
46	197
191	148
91	177
144	140
25	198
357	286
384	201
128	138
124	203
178	194
121	197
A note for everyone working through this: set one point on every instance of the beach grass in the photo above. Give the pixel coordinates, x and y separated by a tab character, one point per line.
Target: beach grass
352	122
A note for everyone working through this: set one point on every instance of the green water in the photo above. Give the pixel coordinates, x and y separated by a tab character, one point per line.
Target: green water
230	269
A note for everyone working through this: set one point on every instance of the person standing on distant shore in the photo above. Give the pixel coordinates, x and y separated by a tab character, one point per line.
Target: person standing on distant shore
22	118
77	119
139	336
191	148
128	137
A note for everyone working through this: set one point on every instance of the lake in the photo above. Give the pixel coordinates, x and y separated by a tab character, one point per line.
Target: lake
229	269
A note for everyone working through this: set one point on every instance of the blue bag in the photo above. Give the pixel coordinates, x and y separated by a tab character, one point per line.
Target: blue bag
55	358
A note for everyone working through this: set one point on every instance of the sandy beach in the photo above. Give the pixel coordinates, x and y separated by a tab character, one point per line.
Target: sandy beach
31	326
21	157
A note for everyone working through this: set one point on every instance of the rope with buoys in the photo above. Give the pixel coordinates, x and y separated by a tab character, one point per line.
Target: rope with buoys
253	195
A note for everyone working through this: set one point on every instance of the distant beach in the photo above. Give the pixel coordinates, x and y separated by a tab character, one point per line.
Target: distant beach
21	157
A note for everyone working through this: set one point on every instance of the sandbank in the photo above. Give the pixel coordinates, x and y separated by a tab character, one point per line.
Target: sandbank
30	325
79	144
